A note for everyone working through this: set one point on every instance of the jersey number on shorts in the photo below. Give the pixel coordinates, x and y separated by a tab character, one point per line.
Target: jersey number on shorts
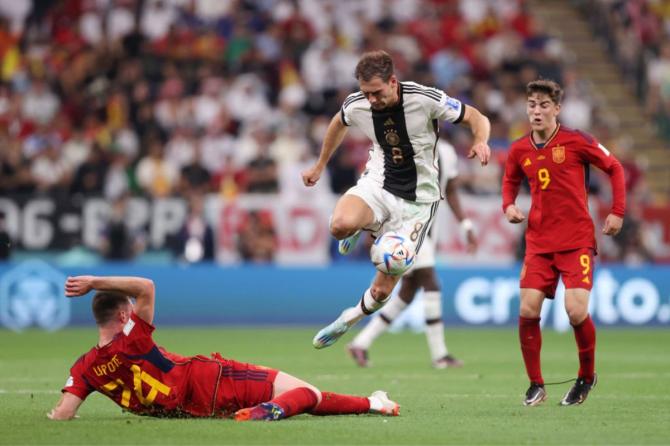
585	261
415	234
139	376
543	176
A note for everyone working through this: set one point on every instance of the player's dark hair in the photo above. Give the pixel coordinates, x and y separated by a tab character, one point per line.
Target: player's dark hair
546	86
105	304
374	63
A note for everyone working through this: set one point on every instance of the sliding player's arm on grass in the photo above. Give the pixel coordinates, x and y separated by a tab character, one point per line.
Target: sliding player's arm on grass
67	407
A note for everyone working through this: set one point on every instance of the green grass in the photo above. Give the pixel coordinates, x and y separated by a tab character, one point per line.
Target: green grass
479	404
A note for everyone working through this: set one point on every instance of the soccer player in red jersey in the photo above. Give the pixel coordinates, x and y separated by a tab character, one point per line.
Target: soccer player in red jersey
560	235
128	367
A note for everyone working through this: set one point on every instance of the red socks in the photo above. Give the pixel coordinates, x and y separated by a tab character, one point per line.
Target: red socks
302	400
337	404
296	401
530	337
585	335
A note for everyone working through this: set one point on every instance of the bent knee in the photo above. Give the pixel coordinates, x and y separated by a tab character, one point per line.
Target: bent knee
317	393
342	227
576	315
529	310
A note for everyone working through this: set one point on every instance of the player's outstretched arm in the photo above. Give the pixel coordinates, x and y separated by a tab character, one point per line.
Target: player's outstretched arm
481	130
67	407
143	290
333	138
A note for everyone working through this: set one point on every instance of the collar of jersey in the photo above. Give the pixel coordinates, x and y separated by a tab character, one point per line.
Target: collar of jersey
546	143
393	107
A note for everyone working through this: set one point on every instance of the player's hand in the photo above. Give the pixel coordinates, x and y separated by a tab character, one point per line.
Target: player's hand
514	214
613	225
311	176
78	286
482	151
471	242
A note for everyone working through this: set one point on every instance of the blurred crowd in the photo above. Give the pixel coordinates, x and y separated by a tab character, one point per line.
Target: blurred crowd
638	37
167	98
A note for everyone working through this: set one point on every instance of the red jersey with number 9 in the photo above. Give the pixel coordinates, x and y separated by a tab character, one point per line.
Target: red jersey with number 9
557	173
145	379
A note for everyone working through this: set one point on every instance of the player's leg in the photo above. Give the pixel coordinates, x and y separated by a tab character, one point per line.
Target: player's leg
373	299
530	338
338	404
432	303
538	281
358	349
577	270
351	214
291	396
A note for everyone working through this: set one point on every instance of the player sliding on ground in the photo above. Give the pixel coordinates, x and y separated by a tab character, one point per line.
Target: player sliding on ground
399	190
129	368
560	236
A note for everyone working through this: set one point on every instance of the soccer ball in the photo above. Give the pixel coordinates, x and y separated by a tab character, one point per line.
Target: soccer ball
392	253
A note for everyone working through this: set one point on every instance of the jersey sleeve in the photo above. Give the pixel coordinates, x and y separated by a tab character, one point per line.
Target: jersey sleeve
347	107
511	179
593	152
137	334
76	383
446	108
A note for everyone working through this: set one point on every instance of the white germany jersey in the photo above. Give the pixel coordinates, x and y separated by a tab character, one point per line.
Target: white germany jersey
404	159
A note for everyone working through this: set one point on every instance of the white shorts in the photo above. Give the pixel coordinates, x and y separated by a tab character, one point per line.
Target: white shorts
394	213
427	257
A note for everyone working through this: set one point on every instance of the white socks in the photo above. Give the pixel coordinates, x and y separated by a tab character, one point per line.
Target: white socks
432	301
379	323
367	306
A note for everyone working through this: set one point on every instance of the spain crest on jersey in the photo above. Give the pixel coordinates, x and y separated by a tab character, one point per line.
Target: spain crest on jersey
558	154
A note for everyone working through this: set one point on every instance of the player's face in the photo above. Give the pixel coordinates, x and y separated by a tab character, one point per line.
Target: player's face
380	94
542	112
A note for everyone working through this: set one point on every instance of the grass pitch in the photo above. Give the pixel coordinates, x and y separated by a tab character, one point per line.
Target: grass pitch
478	404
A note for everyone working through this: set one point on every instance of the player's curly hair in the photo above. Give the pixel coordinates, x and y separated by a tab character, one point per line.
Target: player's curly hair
546	86
105	304
374	63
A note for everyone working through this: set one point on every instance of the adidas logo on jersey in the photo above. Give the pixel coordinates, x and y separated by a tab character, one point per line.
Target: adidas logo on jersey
389	121
526	163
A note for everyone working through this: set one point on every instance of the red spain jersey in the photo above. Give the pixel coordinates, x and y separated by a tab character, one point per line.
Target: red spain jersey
557	172
145	379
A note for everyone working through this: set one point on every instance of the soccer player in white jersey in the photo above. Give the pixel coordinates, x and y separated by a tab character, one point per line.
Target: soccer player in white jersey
422	276
399	190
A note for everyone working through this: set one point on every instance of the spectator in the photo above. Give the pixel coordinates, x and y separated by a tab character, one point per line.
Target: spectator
262	173
5	241
90	176
119	241
256	240
155	175
195	240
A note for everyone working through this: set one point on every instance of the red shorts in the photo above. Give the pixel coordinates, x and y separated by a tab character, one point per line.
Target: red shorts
541	271
242	385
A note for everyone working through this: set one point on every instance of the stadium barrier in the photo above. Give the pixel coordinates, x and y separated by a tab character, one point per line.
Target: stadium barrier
31	295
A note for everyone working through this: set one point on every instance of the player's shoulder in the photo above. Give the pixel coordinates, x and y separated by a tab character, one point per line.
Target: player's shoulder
520	143
580	135
353	99
86	359
420	91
